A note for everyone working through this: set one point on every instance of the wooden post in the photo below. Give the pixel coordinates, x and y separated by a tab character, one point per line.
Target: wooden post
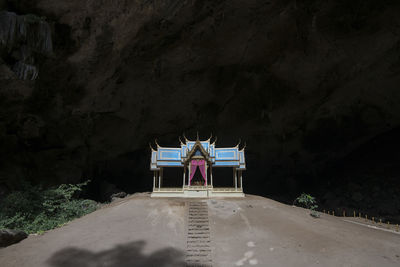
354	214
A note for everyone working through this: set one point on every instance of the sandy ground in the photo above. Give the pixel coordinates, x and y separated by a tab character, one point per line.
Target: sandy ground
253	231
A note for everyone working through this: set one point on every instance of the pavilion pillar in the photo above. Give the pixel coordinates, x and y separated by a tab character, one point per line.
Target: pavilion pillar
235	177
184	177
159	179
190	169
206	165
211	176
162	176
241	180
154	180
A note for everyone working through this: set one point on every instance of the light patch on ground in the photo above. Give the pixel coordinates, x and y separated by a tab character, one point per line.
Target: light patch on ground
244	218
248	255
251	244
223	209
253	262
172	214
176	218
153	216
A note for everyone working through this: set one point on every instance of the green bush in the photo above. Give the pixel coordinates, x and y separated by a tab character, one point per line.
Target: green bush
35	209
309	202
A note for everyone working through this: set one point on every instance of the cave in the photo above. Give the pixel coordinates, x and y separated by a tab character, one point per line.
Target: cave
310	86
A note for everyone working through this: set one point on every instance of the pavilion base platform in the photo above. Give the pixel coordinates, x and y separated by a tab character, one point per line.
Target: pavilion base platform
197	192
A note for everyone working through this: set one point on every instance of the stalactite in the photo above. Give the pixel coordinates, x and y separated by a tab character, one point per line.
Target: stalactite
25	71
28	34
12	29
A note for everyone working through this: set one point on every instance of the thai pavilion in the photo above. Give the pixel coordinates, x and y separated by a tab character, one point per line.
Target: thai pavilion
201	155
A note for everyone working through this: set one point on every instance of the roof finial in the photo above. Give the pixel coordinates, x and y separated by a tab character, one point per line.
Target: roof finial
151	146
239	142
245	144
215	140
155	141
210	137
184	136
180	140
197	136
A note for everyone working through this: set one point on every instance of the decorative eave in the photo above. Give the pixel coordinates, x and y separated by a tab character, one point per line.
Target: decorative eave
194	148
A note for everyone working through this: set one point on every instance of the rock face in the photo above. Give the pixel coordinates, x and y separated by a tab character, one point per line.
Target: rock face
9	237
306	84
117	196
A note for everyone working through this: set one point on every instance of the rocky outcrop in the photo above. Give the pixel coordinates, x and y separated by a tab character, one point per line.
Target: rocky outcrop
21	37
117	196
305	83
9	237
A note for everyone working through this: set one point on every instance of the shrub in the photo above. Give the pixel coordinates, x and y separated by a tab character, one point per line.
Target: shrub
309	202
35	209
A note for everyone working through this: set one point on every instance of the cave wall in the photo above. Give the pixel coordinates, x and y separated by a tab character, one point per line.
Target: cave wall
304	83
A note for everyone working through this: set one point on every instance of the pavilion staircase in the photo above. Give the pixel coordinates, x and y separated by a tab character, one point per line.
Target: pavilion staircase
198	252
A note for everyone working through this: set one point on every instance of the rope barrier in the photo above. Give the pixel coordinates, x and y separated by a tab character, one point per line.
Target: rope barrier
372	220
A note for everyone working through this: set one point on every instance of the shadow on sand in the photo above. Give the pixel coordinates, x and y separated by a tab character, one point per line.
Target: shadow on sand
125	255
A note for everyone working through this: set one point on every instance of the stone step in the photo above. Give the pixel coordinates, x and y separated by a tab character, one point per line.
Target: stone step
198	250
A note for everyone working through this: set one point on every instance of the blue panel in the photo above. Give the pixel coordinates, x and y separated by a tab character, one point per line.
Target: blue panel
205	145
212	154
226	154
190	145
169	154
226	163
169	164
183	151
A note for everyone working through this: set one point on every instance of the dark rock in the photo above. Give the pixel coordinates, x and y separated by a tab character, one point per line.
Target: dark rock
118	195
357	196
9	237
305	83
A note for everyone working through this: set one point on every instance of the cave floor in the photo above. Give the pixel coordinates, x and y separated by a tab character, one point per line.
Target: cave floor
251	231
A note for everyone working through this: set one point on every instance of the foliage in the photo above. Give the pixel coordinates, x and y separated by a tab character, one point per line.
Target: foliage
309	202
35	209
